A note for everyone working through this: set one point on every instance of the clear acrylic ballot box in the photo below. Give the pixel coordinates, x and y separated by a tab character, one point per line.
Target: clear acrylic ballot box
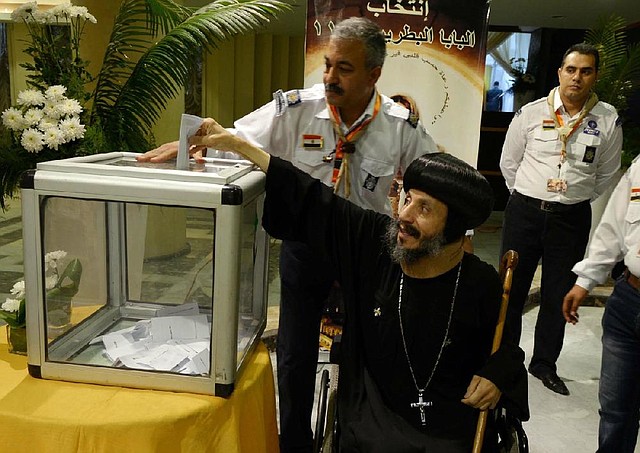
142	275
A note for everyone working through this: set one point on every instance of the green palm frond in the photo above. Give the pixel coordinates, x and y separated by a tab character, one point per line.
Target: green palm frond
619	73
139	76
608	37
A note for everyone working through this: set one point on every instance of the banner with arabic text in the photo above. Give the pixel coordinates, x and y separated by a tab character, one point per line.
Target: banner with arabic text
435	54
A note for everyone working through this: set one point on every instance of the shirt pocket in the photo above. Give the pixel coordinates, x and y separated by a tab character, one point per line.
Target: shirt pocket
313	162
585	151
376	178
633	212
545	142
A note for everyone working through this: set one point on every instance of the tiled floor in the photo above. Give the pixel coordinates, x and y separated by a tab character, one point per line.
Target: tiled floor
558	423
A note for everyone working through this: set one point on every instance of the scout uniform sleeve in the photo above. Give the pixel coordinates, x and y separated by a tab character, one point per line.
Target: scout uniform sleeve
513	149
607	245
609	163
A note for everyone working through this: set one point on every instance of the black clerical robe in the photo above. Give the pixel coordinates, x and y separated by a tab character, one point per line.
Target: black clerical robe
376	387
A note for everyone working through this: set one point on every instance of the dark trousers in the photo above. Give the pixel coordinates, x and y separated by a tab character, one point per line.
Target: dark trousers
619	390
559	237
305	283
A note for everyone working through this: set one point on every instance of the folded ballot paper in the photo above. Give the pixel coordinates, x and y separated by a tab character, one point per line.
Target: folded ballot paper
189	125
176	340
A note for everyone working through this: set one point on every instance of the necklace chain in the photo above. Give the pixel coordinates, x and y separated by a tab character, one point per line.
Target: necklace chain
444	340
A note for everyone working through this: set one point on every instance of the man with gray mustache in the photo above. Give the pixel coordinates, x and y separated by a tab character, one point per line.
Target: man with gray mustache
349	136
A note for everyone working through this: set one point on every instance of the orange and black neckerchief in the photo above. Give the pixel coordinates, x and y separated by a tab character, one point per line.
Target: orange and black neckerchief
347	145
565	131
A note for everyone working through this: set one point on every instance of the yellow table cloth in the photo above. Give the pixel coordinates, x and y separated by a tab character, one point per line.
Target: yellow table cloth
38	415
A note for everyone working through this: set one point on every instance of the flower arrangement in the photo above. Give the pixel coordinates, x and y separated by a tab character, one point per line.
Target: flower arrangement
60	286
54	46
48	119
522	80
150	56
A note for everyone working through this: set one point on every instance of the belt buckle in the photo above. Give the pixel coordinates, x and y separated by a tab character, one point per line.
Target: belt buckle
546	206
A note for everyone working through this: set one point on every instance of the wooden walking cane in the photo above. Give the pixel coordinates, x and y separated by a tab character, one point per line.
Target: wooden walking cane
507	265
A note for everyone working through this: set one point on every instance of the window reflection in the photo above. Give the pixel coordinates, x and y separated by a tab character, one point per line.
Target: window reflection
506	65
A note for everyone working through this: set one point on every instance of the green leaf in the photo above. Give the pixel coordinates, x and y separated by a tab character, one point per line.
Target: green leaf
141	74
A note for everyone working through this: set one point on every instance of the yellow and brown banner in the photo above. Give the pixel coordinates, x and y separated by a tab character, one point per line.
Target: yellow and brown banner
435	54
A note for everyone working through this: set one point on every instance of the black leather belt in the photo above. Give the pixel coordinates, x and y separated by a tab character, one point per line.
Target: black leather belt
547	206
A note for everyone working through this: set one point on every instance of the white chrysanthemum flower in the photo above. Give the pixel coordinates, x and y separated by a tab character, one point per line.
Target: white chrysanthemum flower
41	17
91	18
51	258
32	117
72	129
61	9
12	119
70	107
52	110
24	11
53	137
56	93
47	17
47	123
18	290
11	305
31	97
77	11
50	282
32	140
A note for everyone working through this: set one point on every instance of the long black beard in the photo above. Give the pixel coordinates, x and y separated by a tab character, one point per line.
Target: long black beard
427	247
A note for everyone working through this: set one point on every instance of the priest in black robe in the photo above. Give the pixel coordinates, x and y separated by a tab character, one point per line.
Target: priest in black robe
420	313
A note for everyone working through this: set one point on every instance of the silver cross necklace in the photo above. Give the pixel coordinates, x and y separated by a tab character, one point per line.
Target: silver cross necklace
421	404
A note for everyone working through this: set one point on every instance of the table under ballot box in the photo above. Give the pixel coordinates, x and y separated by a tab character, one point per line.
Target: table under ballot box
143	275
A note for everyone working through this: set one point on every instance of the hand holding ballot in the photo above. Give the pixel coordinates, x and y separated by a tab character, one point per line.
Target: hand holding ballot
212	135
168	151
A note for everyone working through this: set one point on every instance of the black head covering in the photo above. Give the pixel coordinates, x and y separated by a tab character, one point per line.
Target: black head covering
467	194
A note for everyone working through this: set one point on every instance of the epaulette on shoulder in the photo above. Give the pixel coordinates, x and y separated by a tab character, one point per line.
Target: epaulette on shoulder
413	119
284	100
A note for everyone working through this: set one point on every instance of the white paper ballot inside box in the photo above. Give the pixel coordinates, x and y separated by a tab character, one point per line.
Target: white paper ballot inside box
165	343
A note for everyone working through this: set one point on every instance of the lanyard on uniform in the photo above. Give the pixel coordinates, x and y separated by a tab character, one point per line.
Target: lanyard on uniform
565	131
347	145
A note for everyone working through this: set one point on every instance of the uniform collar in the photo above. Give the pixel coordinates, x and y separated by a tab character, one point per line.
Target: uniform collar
557	102
368	112
558	107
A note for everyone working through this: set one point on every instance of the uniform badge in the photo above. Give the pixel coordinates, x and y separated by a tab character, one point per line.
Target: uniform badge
278	98
412	119
592	124
557	185
589	154
635	194
548	125
590	131
370	182
293	97
311	141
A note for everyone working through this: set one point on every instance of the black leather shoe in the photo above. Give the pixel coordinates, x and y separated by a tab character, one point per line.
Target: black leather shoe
552	382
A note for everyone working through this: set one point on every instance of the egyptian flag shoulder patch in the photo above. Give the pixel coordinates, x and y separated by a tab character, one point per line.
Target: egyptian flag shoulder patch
312	141
635	194
548	125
